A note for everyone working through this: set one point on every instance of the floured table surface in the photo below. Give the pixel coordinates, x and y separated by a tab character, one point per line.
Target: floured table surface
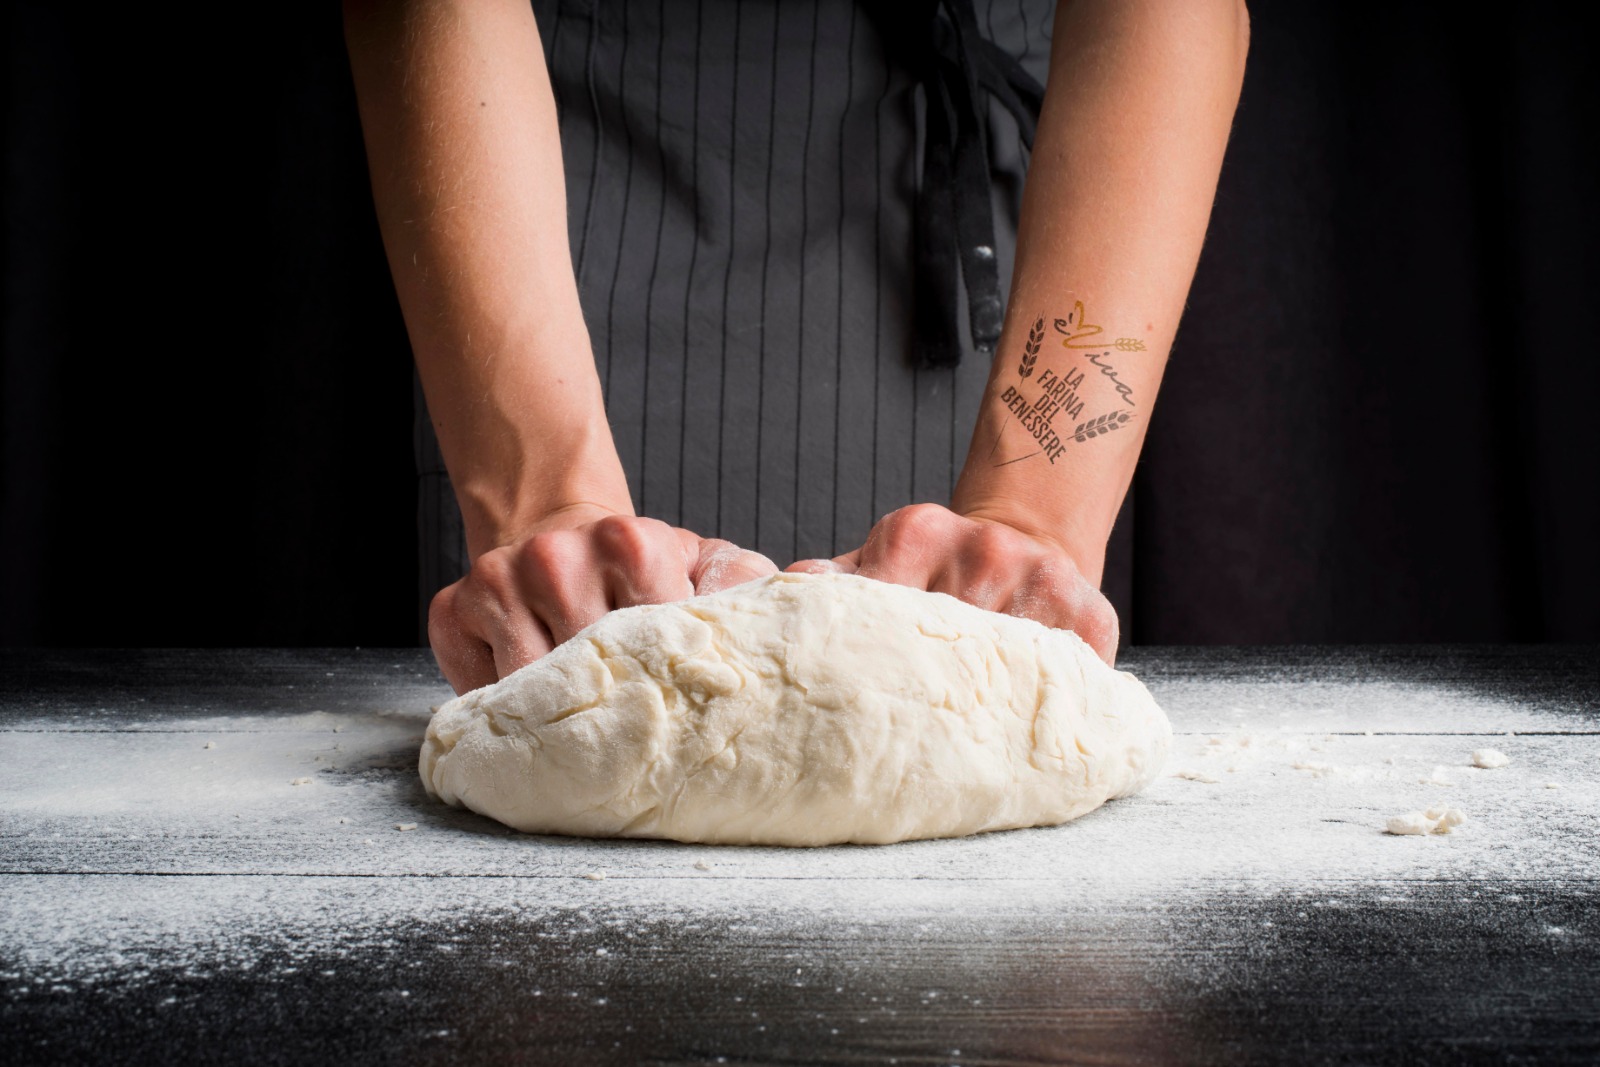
171	894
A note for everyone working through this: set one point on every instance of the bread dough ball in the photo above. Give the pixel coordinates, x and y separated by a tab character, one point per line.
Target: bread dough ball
800	710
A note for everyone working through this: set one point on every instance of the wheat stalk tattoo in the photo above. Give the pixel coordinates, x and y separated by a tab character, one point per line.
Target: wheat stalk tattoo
1104	424
1128	344
1030	350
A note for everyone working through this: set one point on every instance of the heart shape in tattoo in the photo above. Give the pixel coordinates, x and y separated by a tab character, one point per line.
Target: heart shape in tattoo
1077	328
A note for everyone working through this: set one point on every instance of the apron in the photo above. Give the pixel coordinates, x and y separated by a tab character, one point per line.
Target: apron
788	352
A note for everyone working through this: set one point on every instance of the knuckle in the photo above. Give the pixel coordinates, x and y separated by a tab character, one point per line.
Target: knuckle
993	544
1093	618
1110	625
748	565
713	549
494	571
925	516
543	554
442	612
1058	593
626	538
915	523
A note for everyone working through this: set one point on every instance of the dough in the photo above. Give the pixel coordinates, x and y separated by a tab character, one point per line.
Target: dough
1436	820
800	710
1489	758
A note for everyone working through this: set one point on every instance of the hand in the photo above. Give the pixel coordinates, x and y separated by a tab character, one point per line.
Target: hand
522	600
985	563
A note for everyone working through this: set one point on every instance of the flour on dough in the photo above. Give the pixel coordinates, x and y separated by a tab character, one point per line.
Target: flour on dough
800	710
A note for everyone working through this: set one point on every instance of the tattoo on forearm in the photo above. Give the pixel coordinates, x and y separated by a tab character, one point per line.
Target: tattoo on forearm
1123	390
1104	424
1030	350
1061	391
1078	330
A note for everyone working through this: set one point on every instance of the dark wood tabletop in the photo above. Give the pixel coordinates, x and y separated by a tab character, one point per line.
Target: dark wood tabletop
227	856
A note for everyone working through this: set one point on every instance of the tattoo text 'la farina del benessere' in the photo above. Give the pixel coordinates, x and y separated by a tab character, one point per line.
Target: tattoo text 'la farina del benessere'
1065	391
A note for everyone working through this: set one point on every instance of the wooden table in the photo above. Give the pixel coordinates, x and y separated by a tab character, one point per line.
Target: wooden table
170	895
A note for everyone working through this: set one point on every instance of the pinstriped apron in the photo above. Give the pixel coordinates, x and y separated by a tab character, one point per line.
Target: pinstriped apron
741	184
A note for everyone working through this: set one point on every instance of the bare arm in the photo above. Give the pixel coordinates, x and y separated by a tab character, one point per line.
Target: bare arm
1119	191
1129	147
465	156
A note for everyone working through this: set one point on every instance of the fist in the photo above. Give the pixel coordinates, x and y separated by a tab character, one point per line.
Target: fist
985	563
522	600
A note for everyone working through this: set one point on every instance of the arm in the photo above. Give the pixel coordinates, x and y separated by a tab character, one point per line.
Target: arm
465	155
1136	115
1130	144
461	135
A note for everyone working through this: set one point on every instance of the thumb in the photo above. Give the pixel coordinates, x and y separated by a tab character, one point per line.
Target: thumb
723	565
845	564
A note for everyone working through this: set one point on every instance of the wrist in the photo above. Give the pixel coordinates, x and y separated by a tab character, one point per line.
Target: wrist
1030	465
544	489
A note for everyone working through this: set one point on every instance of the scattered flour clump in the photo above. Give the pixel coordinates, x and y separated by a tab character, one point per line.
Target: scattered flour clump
1194	776
1436	820
1436	778
1489	758
1318	770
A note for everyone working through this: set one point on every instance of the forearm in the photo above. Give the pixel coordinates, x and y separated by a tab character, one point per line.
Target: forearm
465	156
1130	141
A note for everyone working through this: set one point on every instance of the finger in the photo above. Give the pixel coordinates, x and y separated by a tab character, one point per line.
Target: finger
561	582
464	658
907	546
515	636
1096	622
466	665
491	604
813	567
643	561
1065	599
986	567
982	588
690	542
848	563
723	565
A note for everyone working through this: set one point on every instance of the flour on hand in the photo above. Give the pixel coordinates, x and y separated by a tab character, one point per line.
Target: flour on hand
800	709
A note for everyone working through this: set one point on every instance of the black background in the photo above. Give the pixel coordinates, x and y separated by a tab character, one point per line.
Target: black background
1379	423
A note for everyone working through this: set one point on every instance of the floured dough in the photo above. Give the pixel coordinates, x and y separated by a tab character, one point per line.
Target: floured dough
800	710
1436	820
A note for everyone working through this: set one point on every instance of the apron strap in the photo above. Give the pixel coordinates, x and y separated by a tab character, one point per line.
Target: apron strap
955	216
